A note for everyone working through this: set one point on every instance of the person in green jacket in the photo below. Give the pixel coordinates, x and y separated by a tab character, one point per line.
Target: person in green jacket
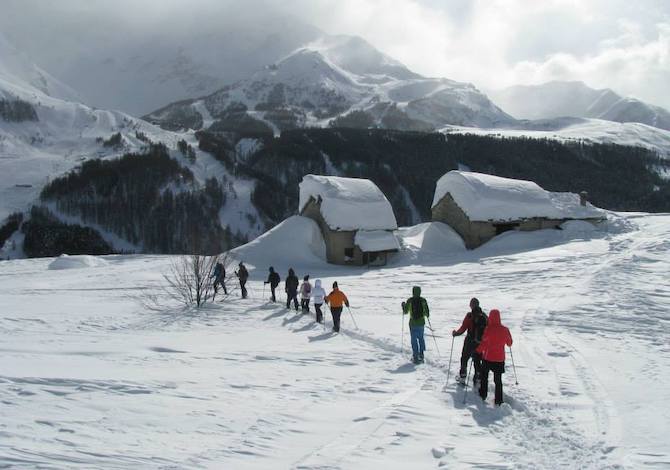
417	308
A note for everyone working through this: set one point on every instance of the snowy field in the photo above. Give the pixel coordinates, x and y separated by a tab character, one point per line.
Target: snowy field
88	379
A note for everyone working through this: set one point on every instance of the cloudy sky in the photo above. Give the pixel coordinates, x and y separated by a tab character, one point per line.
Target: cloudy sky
621	44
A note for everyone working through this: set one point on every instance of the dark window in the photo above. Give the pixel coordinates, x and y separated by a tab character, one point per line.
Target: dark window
348	252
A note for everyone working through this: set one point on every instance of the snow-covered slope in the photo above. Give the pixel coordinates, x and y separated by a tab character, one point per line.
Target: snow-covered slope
58	135
336	75
91	379
576	99
579	129
16	68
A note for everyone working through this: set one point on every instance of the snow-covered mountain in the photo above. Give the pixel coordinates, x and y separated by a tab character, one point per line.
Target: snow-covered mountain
43	137
600	131
16	70
139	64
576	99
337	78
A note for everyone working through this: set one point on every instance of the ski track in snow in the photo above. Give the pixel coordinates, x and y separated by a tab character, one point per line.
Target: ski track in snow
90	380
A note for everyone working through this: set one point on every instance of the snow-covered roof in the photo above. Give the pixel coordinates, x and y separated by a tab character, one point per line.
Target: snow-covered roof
486	197
348	203
376	240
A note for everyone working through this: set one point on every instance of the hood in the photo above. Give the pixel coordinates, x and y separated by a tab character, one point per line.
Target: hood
272	269
494	317
317	283
291	272
416	291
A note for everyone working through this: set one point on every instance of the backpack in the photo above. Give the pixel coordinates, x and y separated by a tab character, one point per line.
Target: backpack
479	322
417	308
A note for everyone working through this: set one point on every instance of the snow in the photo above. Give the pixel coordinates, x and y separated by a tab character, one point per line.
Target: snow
77	262
15	67
91	379
430	240
33	153
348	203
376	240
297	235
207	119
575	129
486	197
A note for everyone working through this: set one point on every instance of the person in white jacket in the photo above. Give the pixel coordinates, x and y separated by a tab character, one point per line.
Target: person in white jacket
305	294
318	294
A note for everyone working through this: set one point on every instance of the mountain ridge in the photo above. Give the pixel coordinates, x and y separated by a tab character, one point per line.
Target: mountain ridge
576	99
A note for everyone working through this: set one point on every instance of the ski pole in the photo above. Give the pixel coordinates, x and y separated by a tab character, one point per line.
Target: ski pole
513	366
352	317
432	333
467	379
263	292
450	353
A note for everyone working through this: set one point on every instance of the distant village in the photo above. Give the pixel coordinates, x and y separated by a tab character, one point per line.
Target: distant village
358	224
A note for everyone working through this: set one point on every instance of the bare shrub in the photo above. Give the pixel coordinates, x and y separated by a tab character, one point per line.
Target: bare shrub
190	279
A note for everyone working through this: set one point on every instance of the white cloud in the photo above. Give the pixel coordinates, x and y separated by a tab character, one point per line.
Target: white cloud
495	43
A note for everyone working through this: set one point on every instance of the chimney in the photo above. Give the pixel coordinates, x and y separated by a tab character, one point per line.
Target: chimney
583	198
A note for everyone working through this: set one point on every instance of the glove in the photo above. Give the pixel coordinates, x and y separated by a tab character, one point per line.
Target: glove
403	305
453	333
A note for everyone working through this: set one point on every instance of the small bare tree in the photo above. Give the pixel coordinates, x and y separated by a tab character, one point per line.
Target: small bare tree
191	280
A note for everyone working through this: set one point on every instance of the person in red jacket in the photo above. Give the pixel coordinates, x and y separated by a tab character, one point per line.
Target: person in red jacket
492	349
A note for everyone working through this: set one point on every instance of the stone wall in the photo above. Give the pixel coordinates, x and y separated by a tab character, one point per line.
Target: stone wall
336	241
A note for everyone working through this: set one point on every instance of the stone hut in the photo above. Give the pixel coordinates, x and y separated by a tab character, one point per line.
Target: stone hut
355	218
480	206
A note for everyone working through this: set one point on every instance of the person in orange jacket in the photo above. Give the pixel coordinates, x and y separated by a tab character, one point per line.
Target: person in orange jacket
336	299
492	349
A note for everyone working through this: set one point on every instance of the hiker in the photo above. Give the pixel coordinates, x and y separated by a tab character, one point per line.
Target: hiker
305	294
492	349
336	299
318	294
417	307
474	323
219	276
242	274
291	289
273	280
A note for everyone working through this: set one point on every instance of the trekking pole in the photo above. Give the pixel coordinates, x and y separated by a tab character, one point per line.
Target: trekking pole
513	366
467	379
352	317
450	353
432	333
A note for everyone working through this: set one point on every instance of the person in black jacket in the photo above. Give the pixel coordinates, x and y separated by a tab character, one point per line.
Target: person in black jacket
273	280
291	288
219	276
474	323
242	274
